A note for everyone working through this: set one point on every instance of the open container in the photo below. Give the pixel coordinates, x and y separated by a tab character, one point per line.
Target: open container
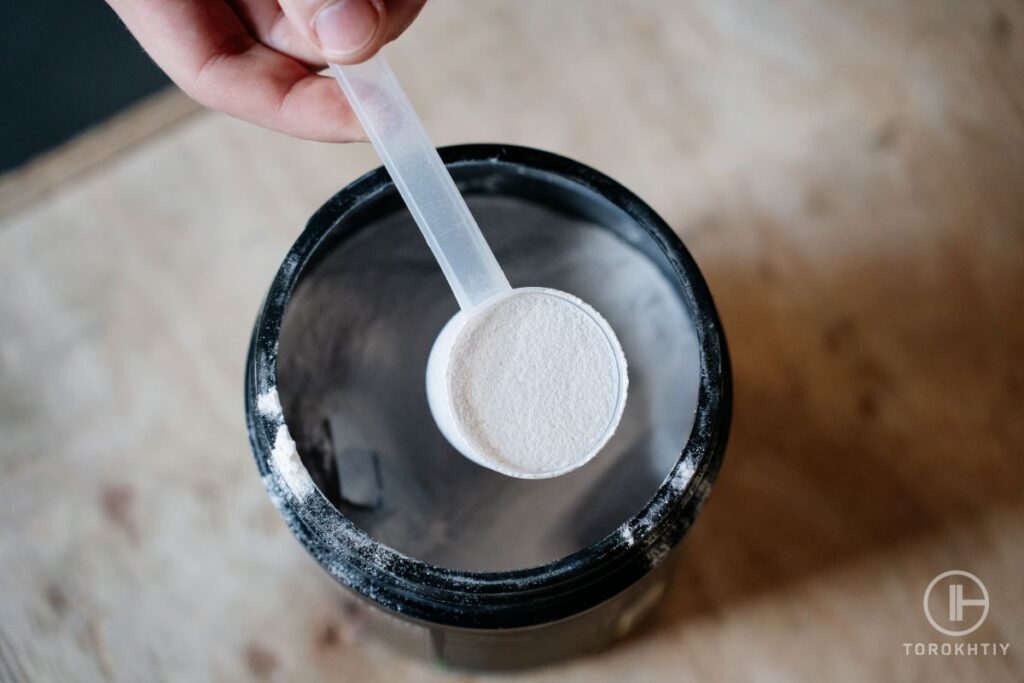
466	566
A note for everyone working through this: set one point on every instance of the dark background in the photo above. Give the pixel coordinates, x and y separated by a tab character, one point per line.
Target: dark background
66	66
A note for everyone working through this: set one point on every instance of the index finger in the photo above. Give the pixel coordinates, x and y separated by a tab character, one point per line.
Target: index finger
206	50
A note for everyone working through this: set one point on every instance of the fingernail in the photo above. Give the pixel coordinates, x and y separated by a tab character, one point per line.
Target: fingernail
345	27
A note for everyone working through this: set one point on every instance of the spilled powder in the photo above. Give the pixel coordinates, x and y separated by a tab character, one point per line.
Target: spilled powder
534	382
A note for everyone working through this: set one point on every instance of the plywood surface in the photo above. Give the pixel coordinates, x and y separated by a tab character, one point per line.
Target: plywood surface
850	176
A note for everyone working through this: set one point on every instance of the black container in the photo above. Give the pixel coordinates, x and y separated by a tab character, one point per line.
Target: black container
535	605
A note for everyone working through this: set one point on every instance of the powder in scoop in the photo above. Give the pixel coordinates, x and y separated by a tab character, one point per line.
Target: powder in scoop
535	382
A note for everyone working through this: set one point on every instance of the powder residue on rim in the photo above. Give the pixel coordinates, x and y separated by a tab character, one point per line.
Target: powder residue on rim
284	454
269	404
535	382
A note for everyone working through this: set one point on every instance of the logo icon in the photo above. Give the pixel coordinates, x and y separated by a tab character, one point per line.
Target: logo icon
954	582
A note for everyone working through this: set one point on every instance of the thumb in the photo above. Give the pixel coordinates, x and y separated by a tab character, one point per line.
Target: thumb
343	31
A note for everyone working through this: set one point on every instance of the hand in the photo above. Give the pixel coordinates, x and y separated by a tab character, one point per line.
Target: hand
257	59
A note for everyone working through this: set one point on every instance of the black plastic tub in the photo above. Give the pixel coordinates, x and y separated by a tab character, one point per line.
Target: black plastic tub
464	566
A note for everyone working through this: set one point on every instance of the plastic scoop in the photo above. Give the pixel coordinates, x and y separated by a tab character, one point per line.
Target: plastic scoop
468	264
423	181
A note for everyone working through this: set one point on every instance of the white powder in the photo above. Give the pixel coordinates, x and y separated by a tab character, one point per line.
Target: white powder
537	382
269	404
284	453
286	456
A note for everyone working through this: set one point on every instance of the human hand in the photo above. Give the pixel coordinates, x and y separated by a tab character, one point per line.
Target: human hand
257	60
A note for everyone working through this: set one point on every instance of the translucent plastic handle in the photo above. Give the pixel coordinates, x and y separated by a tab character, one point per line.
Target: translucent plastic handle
423	181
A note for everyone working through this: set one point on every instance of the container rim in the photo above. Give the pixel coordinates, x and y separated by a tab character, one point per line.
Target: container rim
521	597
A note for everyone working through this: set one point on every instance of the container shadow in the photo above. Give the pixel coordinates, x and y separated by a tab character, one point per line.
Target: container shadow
873	408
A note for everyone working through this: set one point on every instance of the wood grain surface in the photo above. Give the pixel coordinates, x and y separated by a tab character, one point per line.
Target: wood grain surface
850	177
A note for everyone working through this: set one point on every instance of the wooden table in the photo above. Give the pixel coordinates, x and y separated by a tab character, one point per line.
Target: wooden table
850	176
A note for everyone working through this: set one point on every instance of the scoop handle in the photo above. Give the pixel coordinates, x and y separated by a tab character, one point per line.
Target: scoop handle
423	181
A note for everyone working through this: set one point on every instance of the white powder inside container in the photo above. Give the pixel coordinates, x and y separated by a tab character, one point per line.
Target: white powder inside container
537	382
